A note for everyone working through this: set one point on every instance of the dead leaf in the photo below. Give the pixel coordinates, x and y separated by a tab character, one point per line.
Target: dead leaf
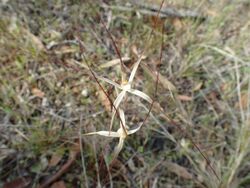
162	80
115	62
212	13
21	182
166	83
55	159
34	39
66	50
134	50
198	86
184	98
131	165
104	99
58	184
74	151
37	92
178	25
157	22
244	101
178	170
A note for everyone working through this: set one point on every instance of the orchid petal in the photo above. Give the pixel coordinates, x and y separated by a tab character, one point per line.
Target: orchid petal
108	81
105	133
115	62
132	75
119	99
122	116
119	147
141	94
132	131
116	104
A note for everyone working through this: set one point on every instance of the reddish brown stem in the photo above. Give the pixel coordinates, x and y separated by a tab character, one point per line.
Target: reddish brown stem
99	84
171	121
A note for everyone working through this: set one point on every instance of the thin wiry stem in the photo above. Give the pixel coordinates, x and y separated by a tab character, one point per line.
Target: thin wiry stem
118	53
104	91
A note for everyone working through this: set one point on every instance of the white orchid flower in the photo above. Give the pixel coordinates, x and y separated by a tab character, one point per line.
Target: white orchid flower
125	87
121	133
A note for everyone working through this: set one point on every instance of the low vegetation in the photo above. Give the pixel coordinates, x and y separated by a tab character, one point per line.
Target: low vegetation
180	120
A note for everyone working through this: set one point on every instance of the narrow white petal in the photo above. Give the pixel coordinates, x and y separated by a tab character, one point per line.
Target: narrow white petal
141	94
119	147
122	116
104	133
108	81
126	87
122	132
112	120
116	104
132	75
119	99
115	62
132	131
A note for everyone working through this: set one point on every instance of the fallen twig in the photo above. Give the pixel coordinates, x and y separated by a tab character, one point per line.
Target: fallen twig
152	10
72	157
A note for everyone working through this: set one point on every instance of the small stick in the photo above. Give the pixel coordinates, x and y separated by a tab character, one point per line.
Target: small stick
150	9
99	84
167	11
